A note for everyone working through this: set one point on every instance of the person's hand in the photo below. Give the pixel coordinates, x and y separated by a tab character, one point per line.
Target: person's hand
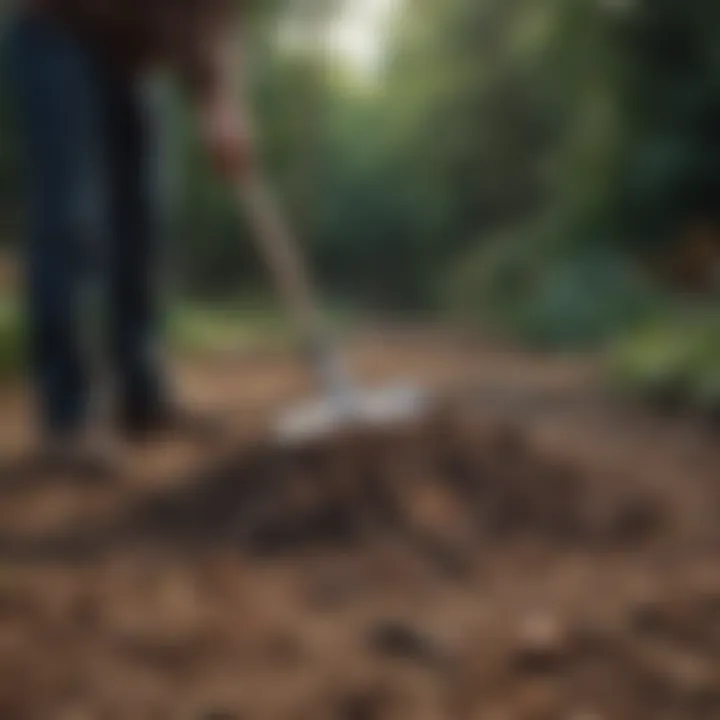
227	139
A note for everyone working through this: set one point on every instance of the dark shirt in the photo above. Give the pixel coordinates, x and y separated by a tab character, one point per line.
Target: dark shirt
141	34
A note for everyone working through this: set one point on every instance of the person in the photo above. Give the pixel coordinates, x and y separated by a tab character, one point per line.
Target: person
81	73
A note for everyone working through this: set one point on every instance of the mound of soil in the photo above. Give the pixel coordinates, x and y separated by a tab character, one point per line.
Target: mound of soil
443	486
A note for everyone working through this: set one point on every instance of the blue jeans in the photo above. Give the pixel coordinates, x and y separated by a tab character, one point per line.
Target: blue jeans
89	141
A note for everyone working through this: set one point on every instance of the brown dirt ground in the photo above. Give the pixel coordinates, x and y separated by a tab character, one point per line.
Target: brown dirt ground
531	551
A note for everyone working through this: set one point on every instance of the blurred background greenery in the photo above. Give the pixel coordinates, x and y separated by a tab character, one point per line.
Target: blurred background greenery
548	170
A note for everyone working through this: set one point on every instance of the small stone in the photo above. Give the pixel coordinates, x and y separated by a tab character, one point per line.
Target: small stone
541	646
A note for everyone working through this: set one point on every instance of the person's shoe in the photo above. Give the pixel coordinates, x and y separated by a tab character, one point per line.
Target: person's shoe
76	456
170	421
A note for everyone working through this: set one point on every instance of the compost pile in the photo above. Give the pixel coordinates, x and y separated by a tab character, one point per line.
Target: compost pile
445	570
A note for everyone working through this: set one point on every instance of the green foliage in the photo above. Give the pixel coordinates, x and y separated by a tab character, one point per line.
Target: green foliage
674	361
513	162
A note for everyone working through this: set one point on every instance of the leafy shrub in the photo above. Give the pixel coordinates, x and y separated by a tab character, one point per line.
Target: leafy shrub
547	295
675	360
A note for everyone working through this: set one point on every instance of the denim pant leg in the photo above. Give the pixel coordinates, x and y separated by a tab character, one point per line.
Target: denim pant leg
136	224
56	98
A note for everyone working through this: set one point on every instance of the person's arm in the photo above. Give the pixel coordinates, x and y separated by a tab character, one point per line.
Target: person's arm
214	77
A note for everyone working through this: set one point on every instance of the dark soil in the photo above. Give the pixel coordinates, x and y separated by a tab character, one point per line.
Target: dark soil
530	551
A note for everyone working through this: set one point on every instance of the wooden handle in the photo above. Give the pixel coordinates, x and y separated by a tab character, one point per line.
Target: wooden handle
285	260
282	254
